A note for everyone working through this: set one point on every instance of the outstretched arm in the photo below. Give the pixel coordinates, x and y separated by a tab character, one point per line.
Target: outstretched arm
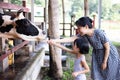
61	46
69	39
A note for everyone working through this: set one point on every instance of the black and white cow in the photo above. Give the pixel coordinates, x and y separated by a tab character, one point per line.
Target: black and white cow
20	27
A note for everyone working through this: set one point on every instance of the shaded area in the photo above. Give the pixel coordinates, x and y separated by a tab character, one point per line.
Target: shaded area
11	72
22	60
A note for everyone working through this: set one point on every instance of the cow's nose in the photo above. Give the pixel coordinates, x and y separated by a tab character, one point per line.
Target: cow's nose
44	32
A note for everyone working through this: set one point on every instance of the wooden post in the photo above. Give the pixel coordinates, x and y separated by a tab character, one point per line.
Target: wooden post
72	24
32	10
99	13
63	9
86	8
4	64
94	20
24	5
45	15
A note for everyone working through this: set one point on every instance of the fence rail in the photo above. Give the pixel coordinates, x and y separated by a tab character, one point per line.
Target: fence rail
4	5
8	52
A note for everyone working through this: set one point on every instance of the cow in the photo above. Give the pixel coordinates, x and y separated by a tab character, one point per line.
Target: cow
20	27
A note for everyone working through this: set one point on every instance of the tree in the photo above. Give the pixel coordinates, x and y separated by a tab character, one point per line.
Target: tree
115	12
18	2
40	2
55	53
93	6
77	8
106	6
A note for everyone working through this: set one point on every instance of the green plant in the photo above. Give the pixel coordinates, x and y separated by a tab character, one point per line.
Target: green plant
67	74
117	44
46	78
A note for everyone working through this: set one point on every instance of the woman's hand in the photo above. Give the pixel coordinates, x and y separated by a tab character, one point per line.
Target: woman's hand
104	65
49	41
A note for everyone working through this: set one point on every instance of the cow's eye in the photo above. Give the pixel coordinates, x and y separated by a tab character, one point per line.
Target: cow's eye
44	32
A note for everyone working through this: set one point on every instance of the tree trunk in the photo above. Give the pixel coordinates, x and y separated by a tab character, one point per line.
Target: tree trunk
55	53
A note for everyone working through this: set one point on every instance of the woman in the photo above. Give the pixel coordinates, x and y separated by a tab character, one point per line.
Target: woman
105	58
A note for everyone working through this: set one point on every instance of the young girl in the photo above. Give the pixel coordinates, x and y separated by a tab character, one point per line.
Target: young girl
80	48
105	57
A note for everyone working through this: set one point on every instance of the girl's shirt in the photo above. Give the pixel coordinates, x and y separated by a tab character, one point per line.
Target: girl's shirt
78	67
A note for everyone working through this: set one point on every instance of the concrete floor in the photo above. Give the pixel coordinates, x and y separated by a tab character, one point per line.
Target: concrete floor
12	70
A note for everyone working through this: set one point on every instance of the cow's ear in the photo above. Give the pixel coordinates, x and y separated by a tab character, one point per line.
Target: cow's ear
20	14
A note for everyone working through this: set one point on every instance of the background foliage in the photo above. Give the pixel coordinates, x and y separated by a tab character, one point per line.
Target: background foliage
110	9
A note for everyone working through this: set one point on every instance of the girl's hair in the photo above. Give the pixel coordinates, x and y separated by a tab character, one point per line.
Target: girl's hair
82	44
84	21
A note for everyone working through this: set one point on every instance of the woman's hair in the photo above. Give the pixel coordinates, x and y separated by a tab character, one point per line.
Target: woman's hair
84	21
83	44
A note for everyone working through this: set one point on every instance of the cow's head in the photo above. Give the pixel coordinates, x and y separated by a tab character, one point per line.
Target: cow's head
26	29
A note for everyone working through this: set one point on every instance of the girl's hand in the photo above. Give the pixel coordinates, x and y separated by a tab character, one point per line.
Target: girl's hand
50	42
75	74
104	66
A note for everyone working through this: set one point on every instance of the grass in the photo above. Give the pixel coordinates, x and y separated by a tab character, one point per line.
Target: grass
117	44
67	73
